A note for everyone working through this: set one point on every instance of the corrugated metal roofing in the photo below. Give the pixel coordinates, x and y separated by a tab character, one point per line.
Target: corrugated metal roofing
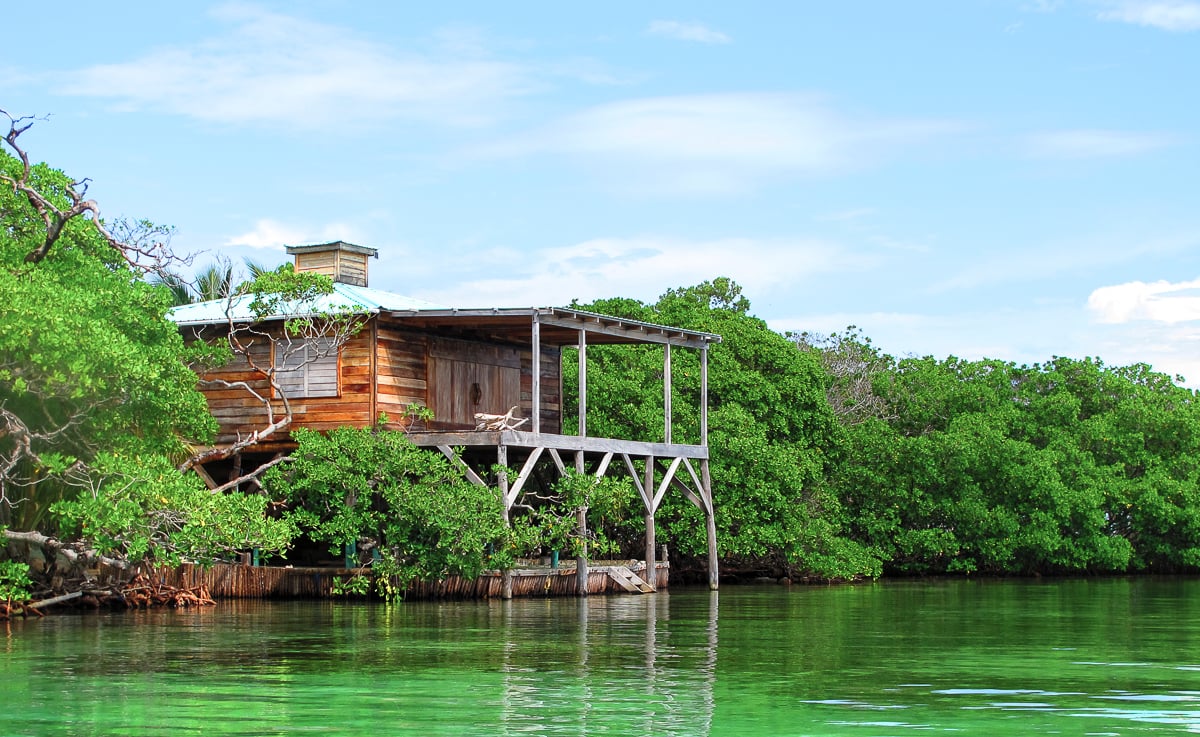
344	296
559	324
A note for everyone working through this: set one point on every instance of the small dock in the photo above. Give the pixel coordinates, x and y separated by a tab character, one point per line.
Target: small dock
237	581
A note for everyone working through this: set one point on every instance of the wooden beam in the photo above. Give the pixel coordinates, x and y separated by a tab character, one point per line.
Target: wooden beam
692	496
581	561
473	477
603	467
704	396
710	524
662	488
502	481
570	443
204	475
536	358
558	461
651	505
651	563
648	485
696	496
526	470
502	477
632	333
582	383
667	394
637	482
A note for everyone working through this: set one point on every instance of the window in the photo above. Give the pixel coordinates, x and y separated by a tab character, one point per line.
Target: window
307	368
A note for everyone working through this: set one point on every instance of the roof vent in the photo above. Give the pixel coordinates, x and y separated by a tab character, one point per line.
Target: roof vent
343	262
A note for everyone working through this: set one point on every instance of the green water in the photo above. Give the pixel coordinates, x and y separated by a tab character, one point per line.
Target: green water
1110	657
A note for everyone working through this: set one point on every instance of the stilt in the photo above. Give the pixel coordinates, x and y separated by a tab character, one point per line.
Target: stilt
651	564
648	498
502	484
581	562
711	523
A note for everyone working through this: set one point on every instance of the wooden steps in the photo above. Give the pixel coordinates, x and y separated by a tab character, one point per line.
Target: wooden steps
628	580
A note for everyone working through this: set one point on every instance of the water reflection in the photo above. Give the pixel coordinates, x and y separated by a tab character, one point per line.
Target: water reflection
614	664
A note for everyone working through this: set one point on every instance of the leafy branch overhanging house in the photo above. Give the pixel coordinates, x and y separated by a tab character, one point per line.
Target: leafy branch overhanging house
456	362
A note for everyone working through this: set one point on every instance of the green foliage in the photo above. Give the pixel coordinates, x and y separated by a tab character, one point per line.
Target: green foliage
1067	467
356	585
142	508
608	501
14	581
97	402
275	290
375	488
88	362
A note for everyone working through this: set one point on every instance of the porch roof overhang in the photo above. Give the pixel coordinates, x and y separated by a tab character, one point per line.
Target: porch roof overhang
558	326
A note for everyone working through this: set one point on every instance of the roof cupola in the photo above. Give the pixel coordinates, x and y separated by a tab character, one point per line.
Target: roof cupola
343	262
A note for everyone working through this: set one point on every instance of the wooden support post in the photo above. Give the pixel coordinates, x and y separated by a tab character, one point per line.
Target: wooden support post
704	396
502	483
581	562
536	360
502	476
667	393
582	383
651	562
648	484
710	523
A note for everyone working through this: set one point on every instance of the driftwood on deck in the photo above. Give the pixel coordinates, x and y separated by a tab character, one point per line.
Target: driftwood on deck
506	421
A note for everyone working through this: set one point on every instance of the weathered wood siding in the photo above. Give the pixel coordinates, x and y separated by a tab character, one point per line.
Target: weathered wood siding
469	377
551	385
400	380
238	411
342	266
386	368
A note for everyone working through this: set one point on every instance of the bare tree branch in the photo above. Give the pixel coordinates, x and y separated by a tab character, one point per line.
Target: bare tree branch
293	345
852	365
139	248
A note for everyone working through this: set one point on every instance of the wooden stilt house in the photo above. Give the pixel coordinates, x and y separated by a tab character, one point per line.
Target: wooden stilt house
459	363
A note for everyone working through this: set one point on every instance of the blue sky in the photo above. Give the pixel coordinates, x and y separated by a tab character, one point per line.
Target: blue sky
1003	178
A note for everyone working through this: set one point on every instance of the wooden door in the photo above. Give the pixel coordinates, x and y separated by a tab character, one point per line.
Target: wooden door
472	377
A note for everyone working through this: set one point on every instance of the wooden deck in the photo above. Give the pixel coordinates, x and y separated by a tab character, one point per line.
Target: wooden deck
236	581
565	443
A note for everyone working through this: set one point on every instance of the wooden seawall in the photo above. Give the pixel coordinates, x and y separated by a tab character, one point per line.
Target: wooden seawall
235	581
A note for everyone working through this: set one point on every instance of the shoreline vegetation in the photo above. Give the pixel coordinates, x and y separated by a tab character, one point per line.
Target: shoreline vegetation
831	461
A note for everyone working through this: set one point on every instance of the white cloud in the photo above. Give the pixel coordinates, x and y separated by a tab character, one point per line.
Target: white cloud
273	235
276	69
1167	15
645	267
1159	301
718	143
687	32
1095	143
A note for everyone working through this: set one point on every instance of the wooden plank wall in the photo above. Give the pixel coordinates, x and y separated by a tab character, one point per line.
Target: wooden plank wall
348	268
551	381
459	367
237	411
400	360
404	363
